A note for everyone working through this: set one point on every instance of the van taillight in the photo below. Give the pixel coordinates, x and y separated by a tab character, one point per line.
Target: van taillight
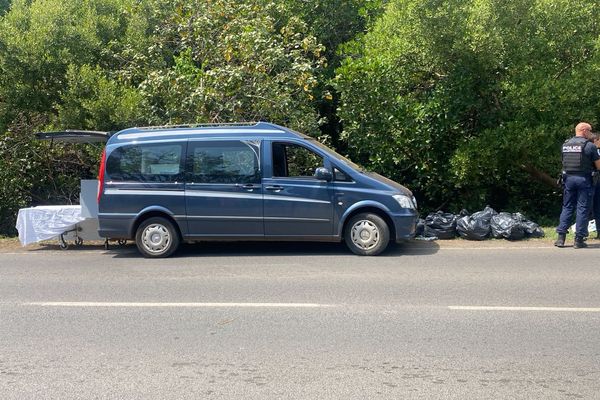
101	174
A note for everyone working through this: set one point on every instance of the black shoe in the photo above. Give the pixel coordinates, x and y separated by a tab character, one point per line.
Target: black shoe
579	244
560	242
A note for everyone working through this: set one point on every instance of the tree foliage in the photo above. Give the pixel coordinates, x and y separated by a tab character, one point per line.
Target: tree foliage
109	64
40	40
464	101
231	61
467	101
43	45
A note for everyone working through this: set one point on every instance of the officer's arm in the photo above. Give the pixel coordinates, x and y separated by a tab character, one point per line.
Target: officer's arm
597	164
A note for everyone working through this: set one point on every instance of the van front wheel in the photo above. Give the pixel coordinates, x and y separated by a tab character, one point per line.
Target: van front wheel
367	234
156	237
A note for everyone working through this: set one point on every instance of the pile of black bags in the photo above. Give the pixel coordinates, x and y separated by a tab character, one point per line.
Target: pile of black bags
478	226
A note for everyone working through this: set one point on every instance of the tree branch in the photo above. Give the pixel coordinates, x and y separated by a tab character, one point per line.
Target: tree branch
540	176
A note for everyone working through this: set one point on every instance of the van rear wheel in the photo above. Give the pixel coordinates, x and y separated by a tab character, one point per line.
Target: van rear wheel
367	234
157	237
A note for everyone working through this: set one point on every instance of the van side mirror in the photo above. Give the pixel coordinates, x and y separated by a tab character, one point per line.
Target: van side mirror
323	174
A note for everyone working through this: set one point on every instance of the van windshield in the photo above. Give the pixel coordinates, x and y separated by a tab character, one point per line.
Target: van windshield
338	156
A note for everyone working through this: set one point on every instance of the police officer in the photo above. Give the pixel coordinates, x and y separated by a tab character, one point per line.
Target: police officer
578	155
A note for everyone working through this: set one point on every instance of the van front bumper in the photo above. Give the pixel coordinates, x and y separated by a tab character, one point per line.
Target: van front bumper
405	225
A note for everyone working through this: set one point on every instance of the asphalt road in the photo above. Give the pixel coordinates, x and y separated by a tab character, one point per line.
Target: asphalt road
309	321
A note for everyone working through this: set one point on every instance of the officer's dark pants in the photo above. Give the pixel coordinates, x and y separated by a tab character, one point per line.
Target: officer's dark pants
577	194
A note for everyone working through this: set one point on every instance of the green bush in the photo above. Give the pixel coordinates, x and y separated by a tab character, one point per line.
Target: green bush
108	64
34	173
464	101
467	102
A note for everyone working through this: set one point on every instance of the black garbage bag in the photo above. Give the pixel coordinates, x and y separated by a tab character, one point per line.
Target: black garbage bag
531	229
508	226
440	224
420	230
476	226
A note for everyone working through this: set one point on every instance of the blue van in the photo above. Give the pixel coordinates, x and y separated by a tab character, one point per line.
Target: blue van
164	185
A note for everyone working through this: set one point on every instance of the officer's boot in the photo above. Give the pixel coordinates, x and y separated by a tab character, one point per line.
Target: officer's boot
560	242
579	243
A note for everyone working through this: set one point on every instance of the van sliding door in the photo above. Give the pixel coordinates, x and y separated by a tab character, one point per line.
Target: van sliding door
223	190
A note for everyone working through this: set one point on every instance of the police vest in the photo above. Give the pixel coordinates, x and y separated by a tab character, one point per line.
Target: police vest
574	159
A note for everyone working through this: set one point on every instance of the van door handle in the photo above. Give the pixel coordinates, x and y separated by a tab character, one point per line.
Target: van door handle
248	186
275	188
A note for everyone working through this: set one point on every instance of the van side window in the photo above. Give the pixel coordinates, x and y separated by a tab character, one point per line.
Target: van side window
294	161
224	162
145	163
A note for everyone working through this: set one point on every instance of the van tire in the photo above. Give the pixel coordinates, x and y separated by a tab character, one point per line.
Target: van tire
157	237
367	234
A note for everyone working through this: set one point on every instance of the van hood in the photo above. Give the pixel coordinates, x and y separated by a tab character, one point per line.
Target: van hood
390	183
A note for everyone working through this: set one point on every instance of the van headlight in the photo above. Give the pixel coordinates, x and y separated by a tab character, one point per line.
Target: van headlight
405	201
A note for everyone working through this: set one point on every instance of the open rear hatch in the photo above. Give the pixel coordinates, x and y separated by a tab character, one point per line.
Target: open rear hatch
75	136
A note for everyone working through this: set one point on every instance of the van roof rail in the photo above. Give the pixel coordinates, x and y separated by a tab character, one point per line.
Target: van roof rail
199	125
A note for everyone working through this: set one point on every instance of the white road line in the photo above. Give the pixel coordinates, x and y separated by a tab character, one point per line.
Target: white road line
181	305
506	308
284	305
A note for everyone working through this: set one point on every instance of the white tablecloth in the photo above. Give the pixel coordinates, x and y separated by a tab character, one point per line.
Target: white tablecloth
46	222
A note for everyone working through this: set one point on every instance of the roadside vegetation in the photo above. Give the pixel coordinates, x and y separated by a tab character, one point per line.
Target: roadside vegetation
465	102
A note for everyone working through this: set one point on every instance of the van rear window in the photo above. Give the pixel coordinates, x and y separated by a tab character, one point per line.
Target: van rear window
145	163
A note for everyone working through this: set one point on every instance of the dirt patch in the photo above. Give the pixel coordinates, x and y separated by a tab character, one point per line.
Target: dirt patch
12	245
9	244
